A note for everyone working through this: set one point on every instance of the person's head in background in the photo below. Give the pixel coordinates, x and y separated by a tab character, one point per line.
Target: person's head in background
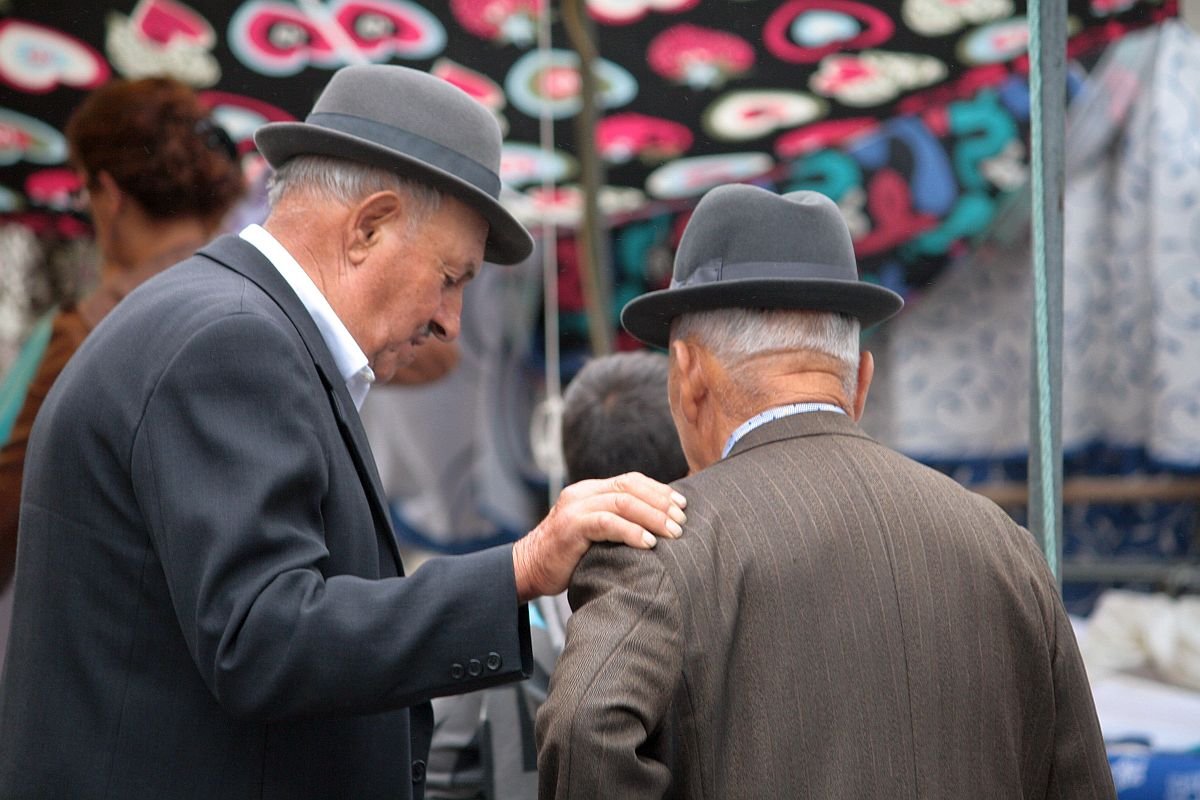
617	419
159	174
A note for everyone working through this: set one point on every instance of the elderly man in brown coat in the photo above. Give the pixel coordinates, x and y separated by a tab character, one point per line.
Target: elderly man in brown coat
837	621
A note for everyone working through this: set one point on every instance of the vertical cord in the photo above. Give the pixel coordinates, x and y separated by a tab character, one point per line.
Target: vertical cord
552	412
1047	83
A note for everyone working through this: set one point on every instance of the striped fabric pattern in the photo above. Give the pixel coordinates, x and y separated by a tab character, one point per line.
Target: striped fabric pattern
836	622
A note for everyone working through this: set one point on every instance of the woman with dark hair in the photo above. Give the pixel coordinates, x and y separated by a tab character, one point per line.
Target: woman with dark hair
159	177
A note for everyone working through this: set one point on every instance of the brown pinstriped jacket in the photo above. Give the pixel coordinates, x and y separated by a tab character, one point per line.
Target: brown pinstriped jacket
837	621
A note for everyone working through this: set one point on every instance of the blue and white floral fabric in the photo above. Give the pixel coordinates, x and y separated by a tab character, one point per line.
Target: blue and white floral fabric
954	371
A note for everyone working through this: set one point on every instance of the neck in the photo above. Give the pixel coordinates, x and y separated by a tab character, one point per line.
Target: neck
145	250
742	399
147	243
309	239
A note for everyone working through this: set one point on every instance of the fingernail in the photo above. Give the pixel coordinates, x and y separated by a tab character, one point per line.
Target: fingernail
677	514
674	528
678	499
649	539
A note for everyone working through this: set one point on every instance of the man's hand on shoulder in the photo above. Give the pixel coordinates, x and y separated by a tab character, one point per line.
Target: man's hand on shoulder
630	509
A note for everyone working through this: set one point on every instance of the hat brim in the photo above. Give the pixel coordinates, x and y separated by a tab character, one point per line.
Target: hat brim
508	242
648	317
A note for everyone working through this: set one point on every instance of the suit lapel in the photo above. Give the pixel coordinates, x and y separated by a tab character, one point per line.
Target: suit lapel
245	259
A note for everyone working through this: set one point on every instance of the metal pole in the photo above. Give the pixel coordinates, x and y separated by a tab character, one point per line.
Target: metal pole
1047	83
593	251
553	404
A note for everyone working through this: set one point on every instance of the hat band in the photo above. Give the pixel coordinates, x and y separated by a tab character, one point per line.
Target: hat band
717	270
412	144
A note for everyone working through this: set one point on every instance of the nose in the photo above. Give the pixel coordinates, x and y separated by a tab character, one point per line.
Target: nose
447	322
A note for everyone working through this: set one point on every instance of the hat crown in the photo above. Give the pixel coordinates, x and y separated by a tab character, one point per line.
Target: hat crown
415	125
746	247
460	123
743	224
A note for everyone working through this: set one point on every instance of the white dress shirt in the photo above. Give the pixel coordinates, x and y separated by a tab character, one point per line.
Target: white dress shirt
772	414
347	355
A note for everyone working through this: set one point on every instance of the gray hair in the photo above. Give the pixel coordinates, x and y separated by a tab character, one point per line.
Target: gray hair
735	335
347	182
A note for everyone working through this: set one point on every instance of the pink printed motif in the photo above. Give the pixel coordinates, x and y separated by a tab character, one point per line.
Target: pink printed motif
874	77
830	133
890	204
1103	8
166	21
29	139
277	39
754	113
939	17
625	12
479	86
241	116
996	43
37	59
500	21
550	82
702	58
623	137
56	189
476	84
523	164
163	37
692	177
805	31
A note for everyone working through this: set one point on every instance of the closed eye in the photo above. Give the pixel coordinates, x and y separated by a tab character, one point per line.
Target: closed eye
449	281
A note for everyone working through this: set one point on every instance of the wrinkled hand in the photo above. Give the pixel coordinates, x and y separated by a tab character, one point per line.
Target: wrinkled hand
629	508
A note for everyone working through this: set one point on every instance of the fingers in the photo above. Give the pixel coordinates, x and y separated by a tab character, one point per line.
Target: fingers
630	509
648	489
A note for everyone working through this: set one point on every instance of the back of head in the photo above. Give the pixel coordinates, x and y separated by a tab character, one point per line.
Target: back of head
161	147
617	419
738	338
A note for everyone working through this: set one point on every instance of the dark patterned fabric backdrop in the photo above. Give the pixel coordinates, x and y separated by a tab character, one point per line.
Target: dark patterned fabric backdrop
912	114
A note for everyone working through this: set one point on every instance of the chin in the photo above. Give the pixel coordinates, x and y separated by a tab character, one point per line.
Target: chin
392	361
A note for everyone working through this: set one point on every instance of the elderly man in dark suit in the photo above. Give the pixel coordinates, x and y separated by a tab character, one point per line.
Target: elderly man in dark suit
209	598
837	621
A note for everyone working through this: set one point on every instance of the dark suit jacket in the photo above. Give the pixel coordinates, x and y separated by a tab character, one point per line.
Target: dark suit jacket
207	601
837	621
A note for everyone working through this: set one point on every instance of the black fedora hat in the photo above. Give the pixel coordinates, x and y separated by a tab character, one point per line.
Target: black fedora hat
746	247
416	125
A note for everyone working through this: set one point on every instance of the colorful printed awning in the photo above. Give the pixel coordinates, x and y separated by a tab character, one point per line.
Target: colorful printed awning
912	114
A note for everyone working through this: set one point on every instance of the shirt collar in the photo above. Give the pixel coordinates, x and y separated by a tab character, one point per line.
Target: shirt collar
771	414
347	355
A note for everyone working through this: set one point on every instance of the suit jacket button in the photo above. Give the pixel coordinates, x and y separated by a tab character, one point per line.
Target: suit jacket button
494	661
418	771
474	667
457	671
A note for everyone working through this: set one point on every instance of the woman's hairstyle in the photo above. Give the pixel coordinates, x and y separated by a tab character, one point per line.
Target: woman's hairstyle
160	146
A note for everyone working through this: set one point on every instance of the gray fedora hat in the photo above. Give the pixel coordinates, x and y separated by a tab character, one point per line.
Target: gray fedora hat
416	125
746	247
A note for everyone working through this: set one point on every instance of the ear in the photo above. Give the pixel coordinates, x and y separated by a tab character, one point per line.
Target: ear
690	380
109	187
370	221
866	371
